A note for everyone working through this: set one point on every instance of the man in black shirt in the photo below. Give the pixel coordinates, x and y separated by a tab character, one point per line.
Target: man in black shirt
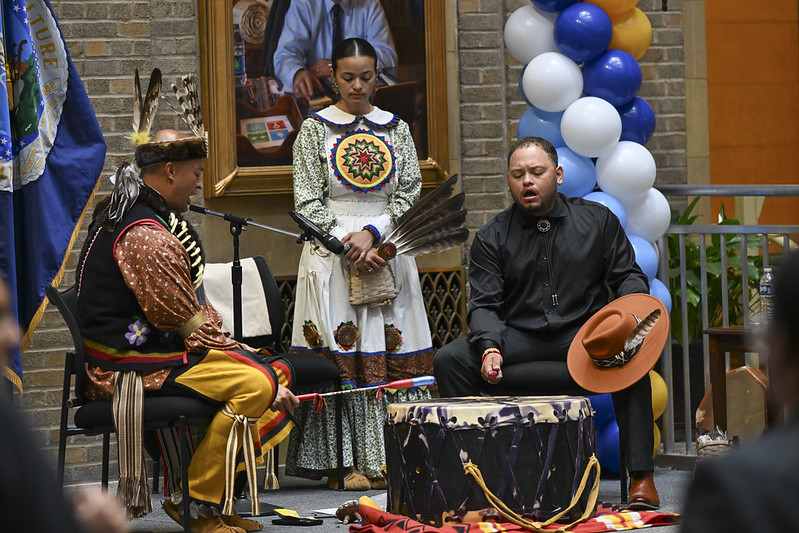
538	271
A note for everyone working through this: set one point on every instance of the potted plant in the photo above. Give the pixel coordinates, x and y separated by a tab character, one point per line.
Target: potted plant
693	278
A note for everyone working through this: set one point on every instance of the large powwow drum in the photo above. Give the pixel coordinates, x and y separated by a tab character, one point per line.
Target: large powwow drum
532	453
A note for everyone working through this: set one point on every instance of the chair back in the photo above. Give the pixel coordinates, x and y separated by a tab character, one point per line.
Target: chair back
263	312
66	301
274	302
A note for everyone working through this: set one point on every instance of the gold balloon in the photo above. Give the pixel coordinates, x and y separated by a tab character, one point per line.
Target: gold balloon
632	32
614	6
657	441
660	395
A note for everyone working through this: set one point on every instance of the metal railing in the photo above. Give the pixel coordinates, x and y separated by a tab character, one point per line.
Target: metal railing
728	244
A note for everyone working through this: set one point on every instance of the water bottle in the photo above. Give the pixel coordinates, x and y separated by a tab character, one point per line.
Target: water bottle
766	296
239	68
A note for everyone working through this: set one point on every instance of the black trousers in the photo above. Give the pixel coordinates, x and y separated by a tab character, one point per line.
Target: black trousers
536	366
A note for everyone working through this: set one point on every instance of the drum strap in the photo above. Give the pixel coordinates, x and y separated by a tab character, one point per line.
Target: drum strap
537	527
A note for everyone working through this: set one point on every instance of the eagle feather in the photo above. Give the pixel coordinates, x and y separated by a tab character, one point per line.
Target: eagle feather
641	330
189	101
144	108
433	224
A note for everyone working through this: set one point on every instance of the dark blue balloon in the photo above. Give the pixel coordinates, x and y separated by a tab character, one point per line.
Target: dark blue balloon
607	447
603	410
553	6
583	31
614	76
637	121
533	124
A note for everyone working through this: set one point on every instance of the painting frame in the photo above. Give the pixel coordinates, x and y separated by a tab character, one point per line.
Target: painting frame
225	178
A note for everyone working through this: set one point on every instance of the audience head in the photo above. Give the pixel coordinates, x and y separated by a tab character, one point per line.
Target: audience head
783	337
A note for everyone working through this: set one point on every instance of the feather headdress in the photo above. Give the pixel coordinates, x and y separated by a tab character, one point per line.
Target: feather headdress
188	148
189	101
433	224
144	108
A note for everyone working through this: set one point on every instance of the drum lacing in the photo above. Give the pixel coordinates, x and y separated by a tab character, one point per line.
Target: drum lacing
538	527
249	460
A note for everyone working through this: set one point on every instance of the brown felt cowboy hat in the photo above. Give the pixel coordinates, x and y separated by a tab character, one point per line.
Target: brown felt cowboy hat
619	344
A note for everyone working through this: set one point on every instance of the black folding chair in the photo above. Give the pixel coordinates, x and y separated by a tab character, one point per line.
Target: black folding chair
95	417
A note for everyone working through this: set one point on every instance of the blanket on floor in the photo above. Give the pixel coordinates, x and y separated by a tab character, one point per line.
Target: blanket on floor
608	518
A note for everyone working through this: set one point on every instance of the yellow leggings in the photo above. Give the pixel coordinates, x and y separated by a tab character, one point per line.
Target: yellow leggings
248	389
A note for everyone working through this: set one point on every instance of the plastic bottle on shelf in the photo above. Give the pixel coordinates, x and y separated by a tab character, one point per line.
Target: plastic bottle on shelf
766	296
239	68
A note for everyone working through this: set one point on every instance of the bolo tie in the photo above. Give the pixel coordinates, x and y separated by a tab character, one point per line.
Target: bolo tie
544	226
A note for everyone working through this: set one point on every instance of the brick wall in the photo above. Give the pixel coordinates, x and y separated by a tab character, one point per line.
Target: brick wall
109	38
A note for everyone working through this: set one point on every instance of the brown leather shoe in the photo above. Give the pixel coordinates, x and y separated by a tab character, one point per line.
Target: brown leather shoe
208	524
643	494
244	523
353	480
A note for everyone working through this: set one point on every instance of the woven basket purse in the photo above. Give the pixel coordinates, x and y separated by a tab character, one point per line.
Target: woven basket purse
373	289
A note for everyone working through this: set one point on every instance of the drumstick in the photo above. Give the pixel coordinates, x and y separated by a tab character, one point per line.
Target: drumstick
421	381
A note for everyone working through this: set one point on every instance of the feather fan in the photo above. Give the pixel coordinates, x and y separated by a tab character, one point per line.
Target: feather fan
189	101
447	207
446	220
432	224
144	109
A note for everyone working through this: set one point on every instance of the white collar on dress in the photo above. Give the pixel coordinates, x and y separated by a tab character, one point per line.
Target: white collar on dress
376	118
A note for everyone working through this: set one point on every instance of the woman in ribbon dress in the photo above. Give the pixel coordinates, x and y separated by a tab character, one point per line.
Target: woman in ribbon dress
355	172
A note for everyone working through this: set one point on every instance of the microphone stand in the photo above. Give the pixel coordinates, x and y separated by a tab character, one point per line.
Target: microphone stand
236	227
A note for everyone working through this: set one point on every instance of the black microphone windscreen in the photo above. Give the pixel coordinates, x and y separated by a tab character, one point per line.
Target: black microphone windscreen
197	209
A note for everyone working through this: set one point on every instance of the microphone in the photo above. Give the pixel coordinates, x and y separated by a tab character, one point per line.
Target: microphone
327	240
226	216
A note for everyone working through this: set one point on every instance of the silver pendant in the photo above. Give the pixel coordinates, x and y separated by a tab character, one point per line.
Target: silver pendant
543	225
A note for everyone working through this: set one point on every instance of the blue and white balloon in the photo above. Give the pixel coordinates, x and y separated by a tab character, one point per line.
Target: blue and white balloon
579	173
645	255
591	126
530	32
627	172
612	203
552	82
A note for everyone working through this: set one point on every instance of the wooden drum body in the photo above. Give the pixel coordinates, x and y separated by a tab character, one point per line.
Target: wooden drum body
532	452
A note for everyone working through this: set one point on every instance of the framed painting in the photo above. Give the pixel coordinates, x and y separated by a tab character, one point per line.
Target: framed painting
252	116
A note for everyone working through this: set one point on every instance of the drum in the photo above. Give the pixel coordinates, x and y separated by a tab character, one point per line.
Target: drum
531	451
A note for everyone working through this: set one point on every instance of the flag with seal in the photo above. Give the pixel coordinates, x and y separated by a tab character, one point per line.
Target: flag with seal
51	154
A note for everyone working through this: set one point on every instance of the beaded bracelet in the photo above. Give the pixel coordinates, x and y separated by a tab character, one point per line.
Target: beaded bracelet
373	230
490	351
